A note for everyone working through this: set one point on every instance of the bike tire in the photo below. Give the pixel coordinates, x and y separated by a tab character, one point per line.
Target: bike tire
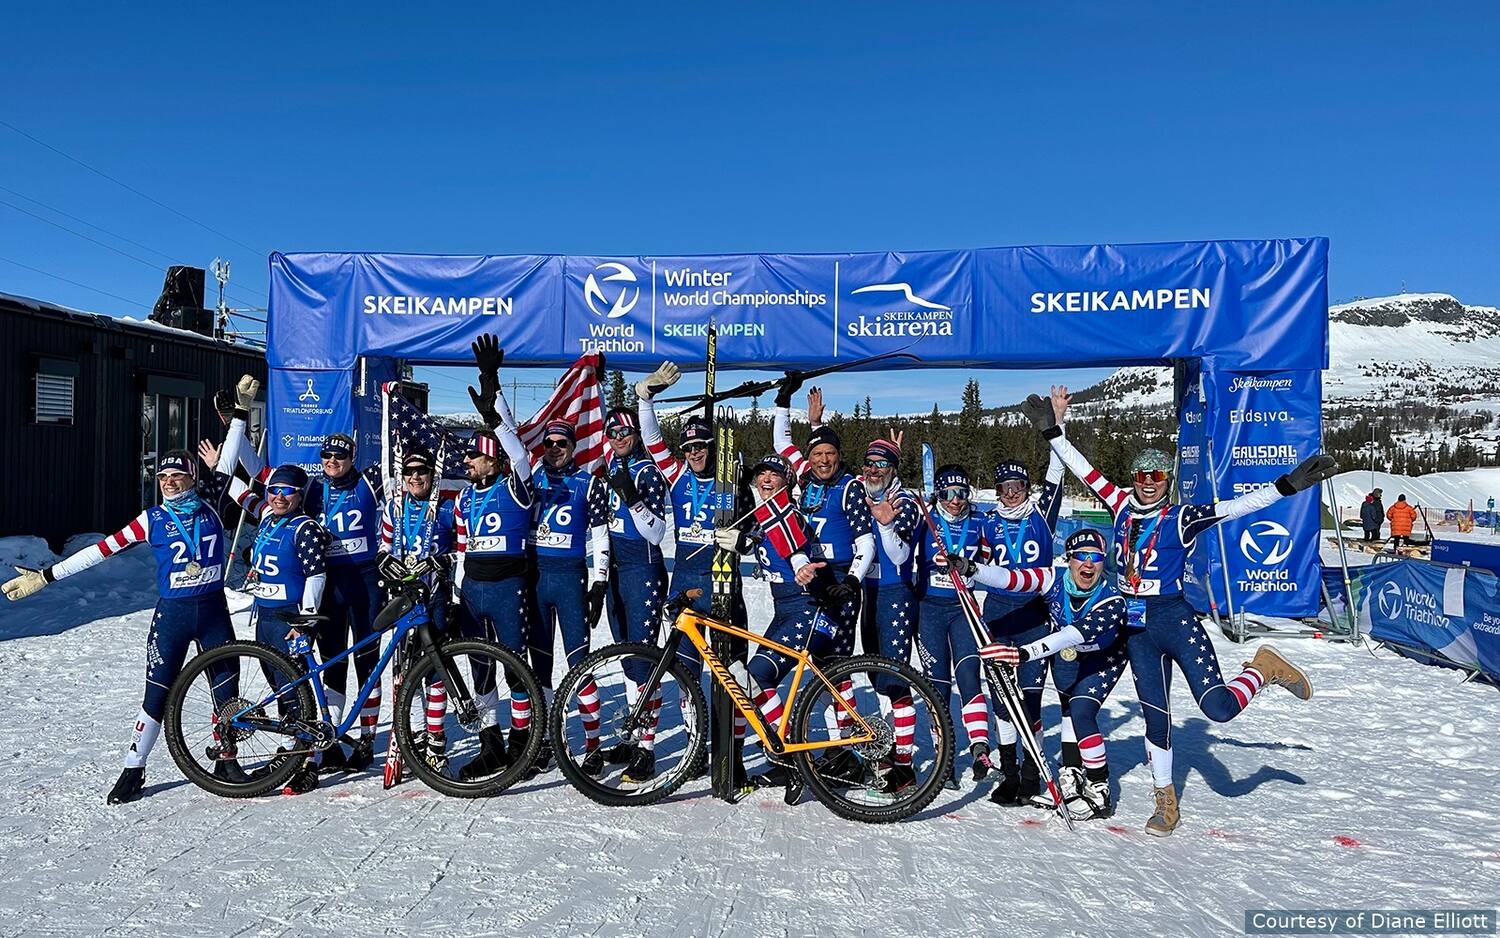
696	723
277	775
517	676
909	802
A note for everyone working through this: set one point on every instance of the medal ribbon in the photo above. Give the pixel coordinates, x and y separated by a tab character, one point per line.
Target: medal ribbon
1150	531
265	536
191	539
1013	549
696	503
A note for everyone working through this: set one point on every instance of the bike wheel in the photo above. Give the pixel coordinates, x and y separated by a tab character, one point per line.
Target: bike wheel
212	689
495	681
860	781
587	724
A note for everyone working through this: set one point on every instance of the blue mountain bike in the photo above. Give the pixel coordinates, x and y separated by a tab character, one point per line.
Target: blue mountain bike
242	717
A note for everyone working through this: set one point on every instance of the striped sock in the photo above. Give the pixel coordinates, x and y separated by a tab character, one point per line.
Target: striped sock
1245	686
904	717
652	714
588	712
768	702
1091	749
977	720
845	720
437	706
520	711
369	714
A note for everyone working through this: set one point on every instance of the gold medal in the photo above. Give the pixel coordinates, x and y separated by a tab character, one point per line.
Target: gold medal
1069	654
194	568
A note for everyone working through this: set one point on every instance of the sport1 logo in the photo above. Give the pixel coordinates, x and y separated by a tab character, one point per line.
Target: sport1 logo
1389	600
1267	543
625	299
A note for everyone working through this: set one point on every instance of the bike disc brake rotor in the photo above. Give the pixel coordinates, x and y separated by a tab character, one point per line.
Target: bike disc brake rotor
228	731
884	739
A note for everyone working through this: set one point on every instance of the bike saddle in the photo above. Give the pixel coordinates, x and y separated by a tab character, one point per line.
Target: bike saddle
683	599
300	620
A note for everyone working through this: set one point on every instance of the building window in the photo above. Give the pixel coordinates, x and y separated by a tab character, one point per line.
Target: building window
54	396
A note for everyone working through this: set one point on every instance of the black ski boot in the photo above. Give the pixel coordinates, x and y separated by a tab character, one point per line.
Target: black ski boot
620	753
333	760
775	776
593	763
543	762
492	757
1010	779
896	779
842	766
304	780
435	752
361	755
229	772
1031	782
519	739
1093	801
642	767
128	786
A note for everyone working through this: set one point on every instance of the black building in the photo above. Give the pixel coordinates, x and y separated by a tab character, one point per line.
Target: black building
87	403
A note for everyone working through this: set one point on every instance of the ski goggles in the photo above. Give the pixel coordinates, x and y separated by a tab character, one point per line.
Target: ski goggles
695	447
620	433
878	464
953	493
282	490
1013	487
1143	476
1087	556
557	442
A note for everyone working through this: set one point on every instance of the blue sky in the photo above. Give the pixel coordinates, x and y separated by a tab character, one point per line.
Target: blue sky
694	129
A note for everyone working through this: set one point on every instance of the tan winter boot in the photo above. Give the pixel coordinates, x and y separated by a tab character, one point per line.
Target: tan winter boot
1277	670
1166	818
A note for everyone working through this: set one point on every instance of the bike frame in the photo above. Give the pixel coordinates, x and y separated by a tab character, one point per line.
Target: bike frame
404	627
693	626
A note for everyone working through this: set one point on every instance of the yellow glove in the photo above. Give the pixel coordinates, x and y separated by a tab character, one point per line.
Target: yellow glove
24	585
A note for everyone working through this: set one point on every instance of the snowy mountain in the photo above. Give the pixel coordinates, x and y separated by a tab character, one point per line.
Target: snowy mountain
1425	346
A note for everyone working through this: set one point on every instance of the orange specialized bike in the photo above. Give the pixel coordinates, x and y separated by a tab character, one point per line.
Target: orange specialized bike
866	735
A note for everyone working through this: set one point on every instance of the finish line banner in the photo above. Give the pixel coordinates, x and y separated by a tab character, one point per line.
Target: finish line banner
1242	305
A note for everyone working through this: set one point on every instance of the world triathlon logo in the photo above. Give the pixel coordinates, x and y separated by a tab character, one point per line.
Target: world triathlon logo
1267	543
1389	600
618	280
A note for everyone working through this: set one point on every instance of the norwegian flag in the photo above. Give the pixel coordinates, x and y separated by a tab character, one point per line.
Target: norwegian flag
576	399
781	523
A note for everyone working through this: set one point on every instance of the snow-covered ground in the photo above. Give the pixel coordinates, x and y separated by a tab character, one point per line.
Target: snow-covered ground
1378	793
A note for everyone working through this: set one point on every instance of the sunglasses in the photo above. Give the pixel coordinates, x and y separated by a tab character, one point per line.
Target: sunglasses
173	474
953	493
1013	487
282	491
1087	556
1142	476
416	471
695	447
329	454
878	464
556	442
620	433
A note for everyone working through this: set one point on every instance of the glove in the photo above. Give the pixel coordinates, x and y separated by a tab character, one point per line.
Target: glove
1004	653
658	381
594	603
484	406
789	385
845	590
1039	412
731	539
225	401
488	355
1314	469
245	392
624	485
24	585
961	564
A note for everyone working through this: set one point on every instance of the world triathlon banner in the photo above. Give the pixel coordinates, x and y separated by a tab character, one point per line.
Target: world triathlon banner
1250	312
1239	432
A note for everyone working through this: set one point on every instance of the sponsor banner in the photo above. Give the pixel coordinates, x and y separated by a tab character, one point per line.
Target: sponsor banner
1272	555
1237	304
1452	612
304	407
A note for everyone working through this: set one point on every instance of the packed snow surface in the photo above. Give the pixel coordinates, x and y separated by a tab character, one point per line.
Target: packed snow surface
1378	793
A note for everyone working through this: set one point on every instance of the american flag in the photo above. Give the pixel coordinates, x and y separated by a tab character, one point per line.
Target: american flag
781	523
576	399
